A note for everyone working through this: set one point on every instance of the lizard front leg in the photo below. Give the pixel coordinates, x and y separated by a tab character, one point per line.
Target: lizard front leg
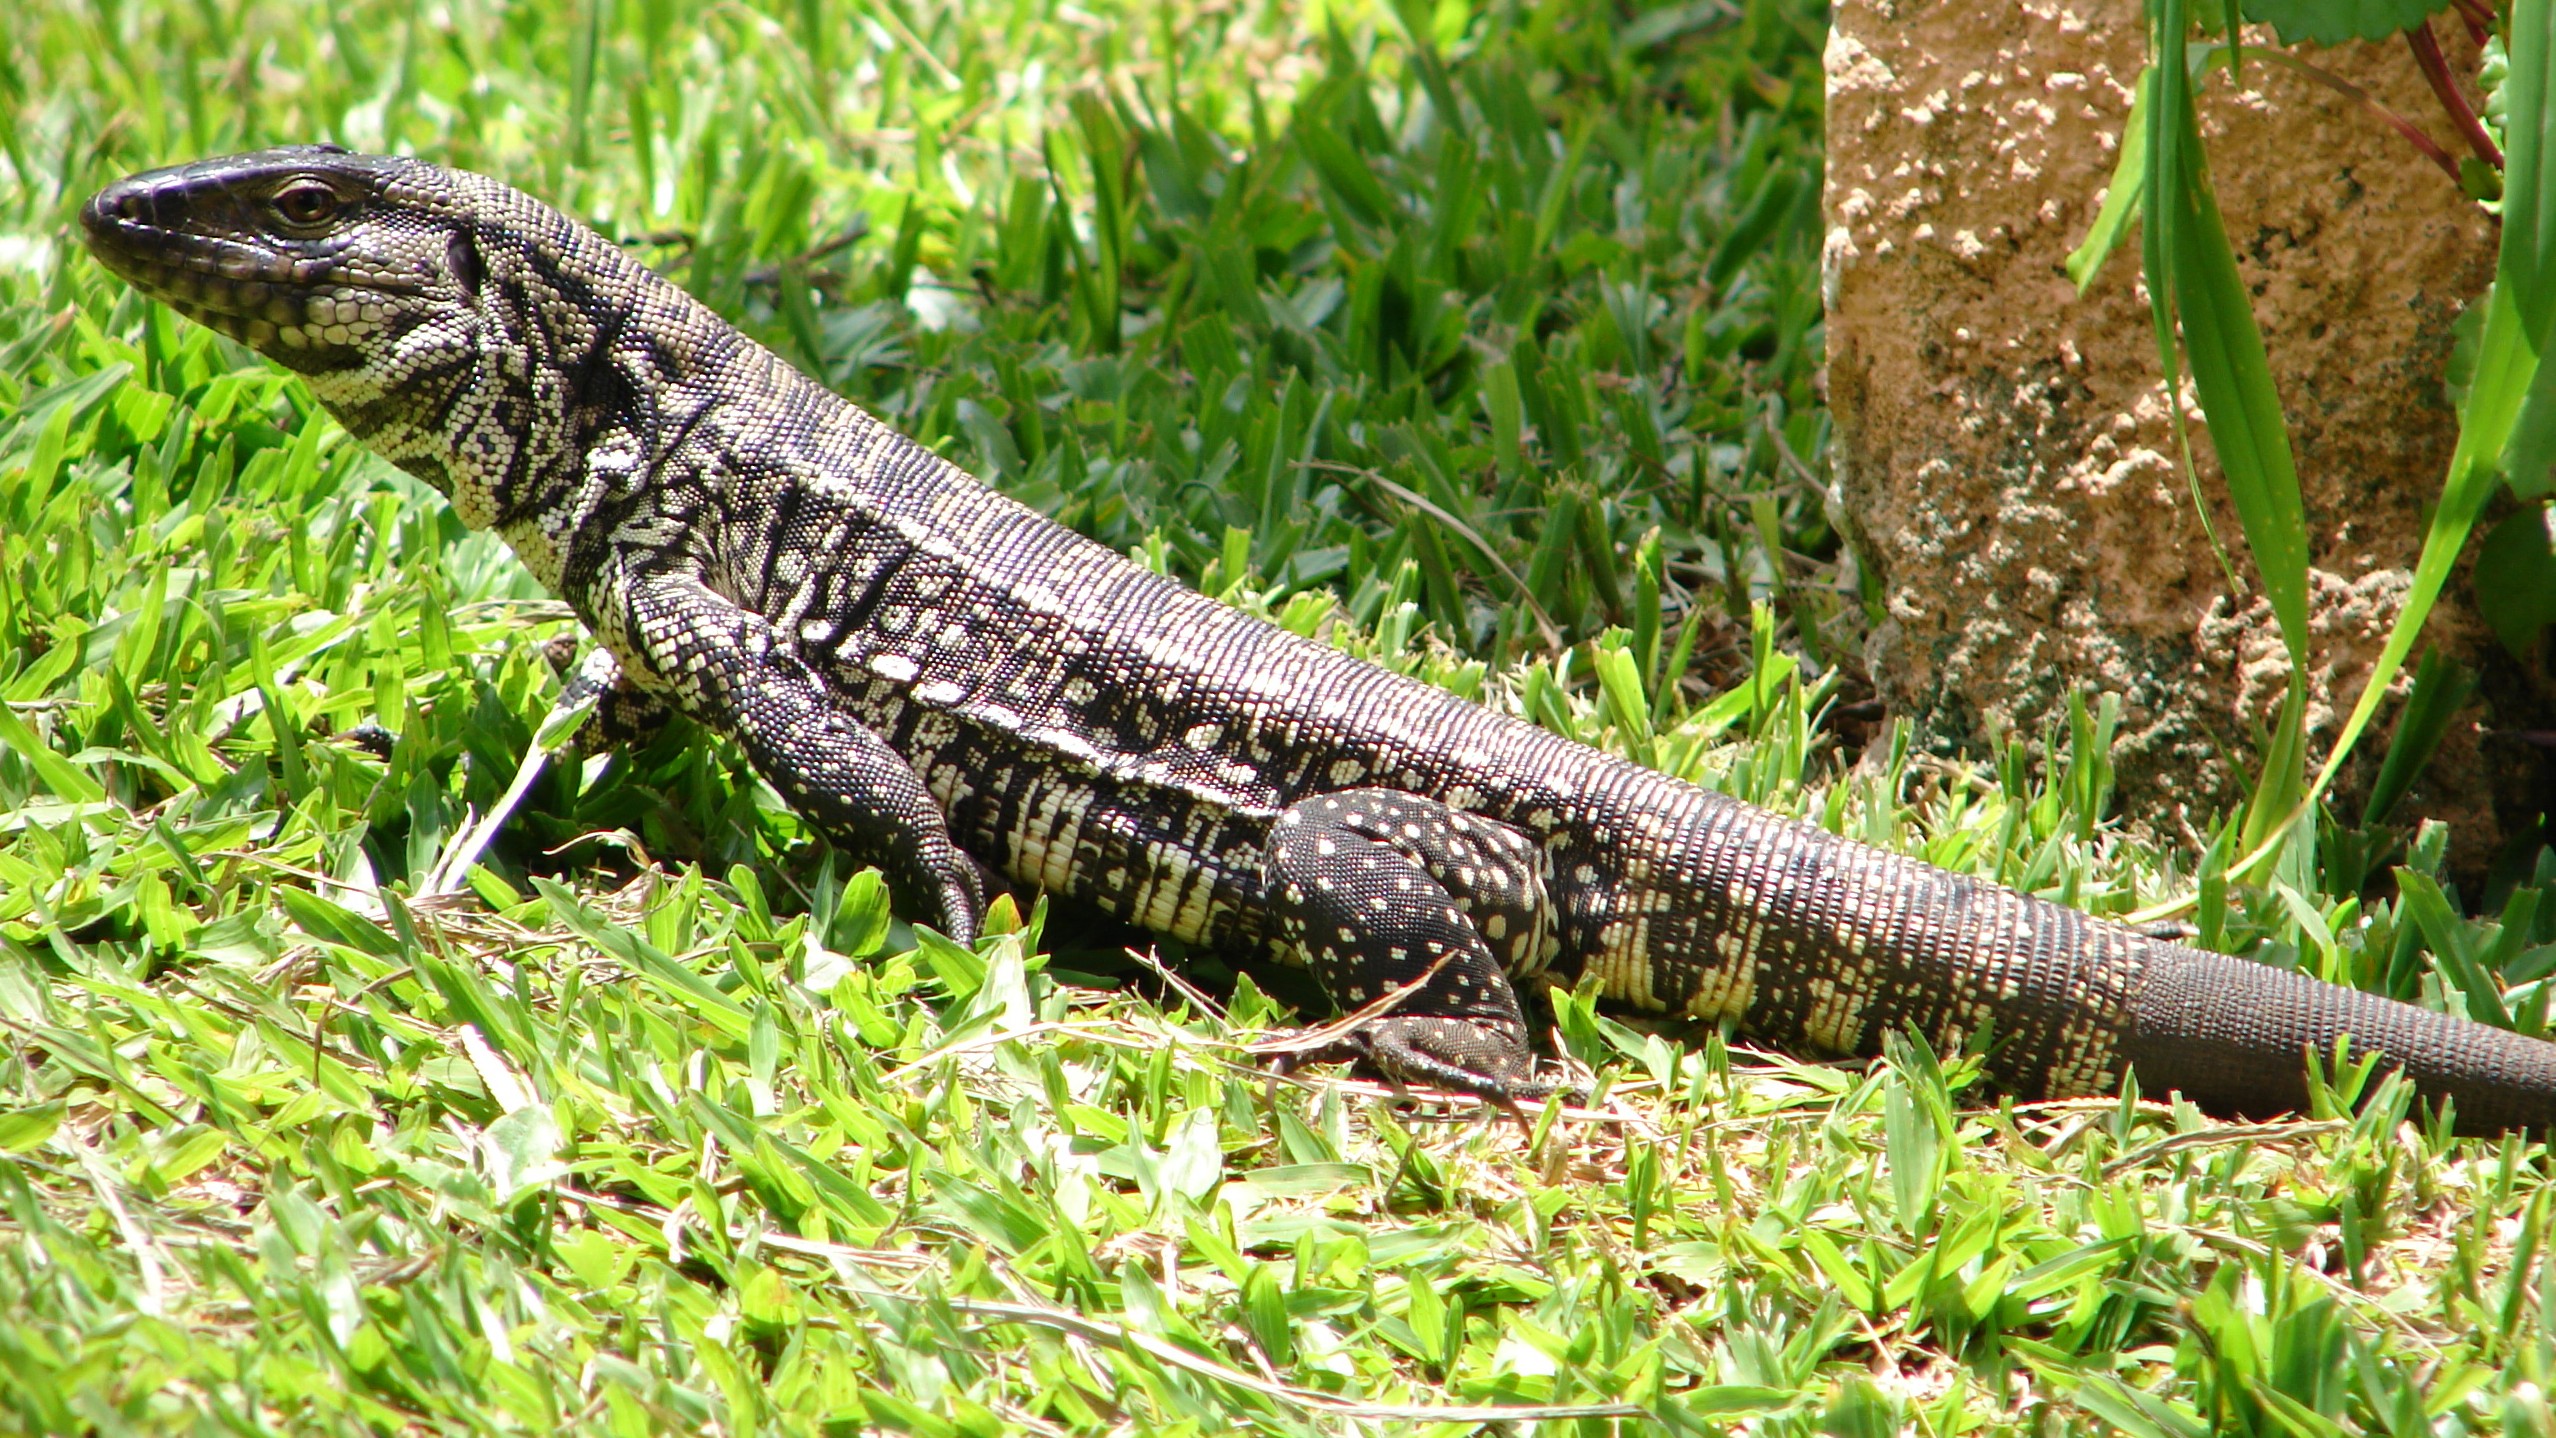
720	665
1380	890
626	716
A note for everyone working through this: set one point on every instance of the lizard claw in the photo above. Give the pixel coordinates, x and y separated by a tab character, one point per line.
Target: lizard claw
1489	1061
962	898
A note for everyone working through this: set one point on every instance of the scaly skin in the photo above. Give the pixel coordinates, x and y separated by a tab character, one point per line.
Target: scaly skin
939	678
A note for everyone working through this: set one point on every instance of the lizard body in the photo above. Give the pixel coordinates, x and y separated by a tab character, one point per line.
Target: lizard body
938	677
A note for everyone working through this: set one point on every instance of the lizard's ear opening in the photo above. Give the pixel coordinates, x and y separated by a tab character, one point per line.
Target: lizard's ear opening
463	258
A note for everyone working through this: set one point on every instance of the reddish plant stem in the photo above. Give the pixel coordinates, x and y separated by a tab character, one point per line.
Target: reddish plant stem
2413	133
2436	71
2479	18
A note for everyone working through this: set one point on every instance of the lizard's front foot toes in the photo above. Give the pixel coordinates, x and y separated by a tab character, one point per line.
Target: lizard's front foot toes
1485	1058
962	903
372	738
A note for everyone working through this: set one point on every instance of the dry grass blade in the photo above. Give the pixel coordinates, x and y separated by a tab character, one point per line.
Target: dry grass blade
2147	1154
1323	1037
1117	1335
1545	627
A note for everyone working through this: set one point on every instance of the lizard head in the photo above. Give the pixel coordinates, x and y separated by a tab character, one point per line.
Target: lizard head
313	256
453	324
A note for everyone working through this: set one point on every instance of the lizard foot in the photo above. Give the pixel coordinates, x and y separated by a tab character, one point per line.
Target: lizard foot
1487	1060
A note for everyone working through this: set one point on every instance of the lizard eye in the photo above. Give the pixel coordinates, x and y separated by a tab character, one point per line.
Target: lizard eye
306	204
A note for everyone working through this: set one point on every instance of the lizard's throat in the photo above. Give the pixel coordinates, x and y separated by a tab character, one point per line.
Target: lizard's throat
470	406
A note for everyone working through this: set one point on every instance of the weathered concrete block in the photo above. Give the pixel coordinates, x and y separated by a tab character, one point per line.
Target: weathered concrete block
2004	455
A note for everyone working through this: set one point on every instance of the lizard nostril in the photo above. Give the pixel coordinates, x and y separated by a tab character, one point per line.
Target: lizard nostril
112	209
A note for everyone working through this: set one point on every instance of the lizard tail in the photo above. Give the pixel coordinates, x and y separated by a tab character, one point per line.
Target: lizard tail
2233	1035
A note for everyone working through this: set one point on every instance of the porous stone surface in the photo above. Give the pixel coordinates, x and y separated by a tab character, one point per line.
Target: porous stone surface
2005	458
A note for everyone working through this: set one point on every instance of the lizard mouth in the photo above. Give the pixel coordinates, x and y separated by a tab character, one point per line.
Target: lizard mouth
202	277
165	237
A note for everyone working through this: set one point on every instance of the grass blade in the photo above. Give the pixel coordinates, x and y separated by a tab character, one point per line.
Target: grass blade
2233	377
2441	685
2505	367
2528	259
2122	197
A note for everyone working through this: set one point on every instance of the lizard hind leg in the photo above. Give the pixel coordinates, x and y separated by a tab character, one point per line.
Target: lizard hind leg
1381	890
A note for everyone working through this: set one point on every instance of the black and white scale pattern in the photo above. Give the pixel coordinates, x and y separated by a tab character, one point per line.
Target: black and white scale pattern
939	678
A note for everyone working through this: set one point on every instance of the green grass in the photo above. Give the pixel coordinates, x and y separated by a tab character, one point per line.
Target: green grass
1482	343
